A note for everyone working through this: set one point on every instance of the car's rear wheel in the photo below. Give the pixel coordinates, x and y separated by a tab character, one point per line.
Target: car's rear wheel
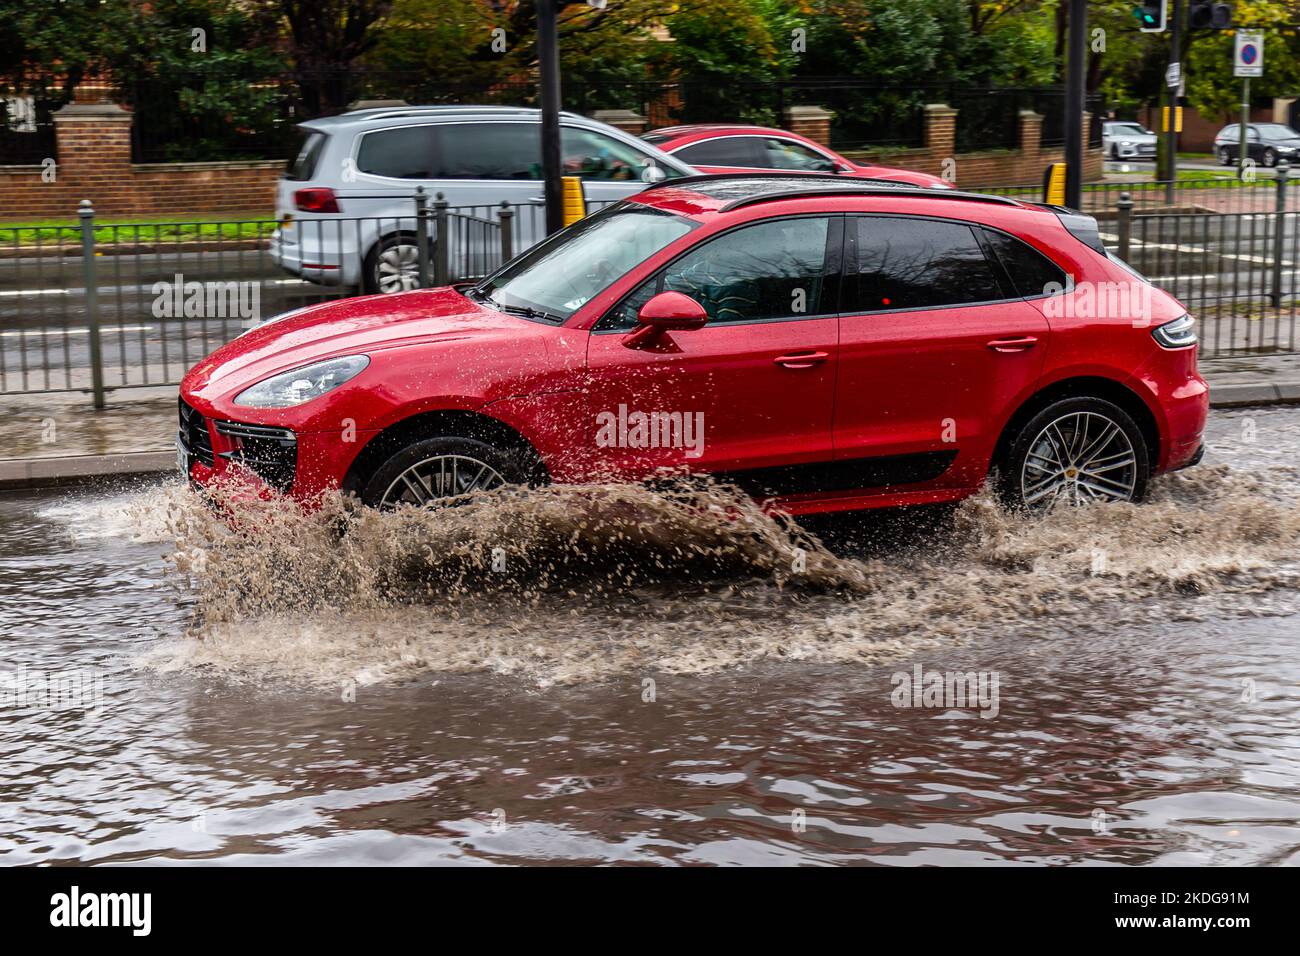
393	265
1076	451
432	472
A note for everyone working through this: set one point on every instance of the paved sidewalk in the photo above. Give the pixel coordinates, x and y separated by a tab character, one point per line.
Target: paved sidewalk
57	438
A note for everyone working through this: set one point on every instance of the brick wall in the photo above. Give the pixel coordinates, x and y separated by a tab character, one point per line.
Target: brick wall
1003	167
94	162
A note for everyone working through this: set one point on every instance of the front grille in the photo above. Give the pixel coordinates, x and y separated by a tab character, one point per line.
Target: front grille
194	433
270	453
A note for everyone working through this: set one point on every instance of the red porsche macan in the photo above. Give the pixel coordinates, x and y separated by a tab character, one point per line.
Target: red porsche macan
824	343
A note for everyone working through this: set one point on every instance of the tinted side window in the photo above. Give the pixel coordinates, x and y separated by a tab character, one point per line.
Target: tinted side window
405	153
728	151
787	154
1030	271
770	270
303	165
917	264
489	151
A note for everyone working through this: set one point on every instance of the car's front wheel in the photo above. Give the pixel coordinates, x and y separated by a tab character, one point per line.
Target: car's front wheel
437	471
1075	451
1270	158
1225	157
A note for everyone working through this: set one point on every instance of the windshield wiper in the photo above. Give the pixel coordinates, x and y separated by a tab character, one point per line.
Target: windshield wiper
527	311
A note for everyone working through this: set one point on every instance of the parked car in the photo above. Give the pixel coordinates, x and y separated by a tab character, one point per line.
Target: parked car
344	203
730	149
823	342
1126	140
1266	143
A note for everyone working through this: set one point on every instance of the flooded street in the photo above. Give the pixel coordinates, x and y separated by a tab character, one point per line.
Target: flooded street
607	675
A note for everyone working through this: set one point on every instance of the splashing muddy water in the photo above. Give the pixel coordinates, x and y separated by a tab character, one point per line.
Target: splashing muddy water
571	584
657	680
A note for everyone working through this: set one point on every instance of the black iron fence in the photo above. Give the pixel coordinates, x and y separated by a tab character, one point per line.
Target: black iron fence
98	307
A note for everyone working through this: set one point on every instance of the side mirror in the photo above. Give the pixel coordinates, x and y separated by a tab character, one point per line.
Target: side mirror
650	173
666	312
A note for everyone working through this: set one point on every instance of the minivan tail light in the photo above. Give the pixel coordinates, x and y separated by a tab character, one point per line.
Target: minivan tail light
1178	334
320	199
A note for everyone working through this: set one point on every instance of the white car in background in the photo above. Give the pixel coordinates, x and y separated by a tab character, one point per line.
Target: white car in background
345	209
1121	139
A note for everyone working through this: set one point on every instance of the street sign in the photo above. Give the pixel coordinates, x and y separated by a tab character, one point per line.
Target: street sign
1174	76
1248	54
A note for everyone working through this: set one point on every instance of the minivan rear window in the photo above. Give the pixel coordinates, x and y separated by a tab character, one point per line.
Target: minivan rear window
303	165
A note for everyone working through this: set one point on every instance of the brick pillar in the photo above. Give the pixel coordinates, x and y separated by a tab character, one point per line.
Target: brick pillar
94	141
625	120
940	133
811	121
1094	161
1029	166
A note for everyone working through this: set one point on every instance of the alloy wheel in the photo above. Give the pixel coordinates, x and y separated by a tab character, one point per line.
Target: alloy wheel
438	479
1078	458
397	269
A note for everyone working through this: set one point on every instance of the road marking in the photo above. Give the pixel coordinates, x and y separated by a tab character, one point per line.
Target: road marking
17	292
107	328
1195	250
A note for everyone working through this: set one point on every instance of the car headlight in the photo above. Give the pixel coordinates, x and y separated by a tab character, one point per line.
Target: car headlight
1178	334
302	384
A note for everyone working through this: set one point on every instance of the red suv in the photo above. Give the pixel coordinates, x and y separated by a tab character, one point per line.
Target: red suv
732	149
824	343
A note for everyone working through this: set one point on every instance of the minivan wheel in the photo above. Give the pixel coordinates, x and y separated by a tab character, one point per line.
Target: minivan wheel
393	265
1076	451
440	471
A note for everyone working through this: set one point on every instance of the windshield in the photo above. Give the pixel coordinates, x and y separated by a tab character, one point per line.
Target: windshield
1129	129
558	276
1277	131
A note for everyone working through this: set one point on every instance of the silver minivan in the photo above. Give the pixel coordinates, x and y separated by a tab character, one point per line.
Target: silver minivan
345	208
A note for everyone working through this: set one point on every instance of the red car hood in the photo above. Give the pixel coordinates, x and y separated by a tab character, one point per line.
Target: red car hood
348	327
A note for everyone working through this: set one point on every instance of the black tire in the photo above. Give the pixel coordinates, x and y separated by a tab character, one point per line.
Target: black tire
1012	467
512	465
1269	158
371	277
1225	157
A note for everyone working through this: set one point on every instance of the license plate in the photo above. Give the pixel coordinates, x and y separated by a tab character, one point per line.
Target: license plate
182	459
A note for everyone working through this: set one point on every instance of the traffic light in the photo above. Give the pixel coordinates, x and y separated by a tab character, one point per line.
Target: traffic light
1152	17
1208	15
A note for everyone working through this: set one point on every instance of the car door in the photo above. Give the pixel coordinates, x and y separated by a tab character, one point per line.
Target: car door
755	385
935	345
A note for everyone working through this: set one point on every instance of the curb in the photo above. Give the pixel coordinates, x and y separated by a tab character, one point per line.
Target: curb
1245	395
18	473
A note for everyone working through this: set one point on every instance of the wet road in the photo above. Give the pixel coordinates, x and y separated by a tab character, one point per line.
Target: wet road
1136	694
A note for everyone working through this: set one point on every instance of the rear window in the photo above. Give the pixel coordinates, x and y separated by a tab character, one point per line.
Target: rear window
728	151
1031	272
303	165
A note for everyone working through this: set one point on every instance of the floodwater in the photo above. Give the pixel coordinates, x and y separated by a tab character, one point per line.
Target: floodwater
610	675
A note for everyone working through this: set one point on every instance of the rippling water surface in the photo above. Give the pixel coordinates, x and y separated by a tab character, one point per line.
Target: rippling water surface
607	675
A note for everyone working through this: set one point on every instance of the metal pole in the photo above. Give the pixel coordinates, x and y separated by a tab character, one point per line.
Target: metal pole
422	235
548	66
506	215
1125	224
1243	149
1175	67
1074	94
1279	232
86	213
442	243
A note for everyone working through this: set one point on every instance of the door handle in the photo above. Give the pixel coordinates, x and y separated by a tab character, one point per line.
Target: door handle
1019	344
537	200
802	359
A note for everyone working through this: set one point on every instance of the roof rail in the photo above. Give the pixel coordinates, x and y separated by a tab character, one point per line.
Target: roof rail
879	189
835	186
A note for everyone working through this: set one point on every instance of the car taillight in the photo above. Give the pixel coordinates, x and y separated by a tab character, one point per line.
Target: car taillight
320	199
